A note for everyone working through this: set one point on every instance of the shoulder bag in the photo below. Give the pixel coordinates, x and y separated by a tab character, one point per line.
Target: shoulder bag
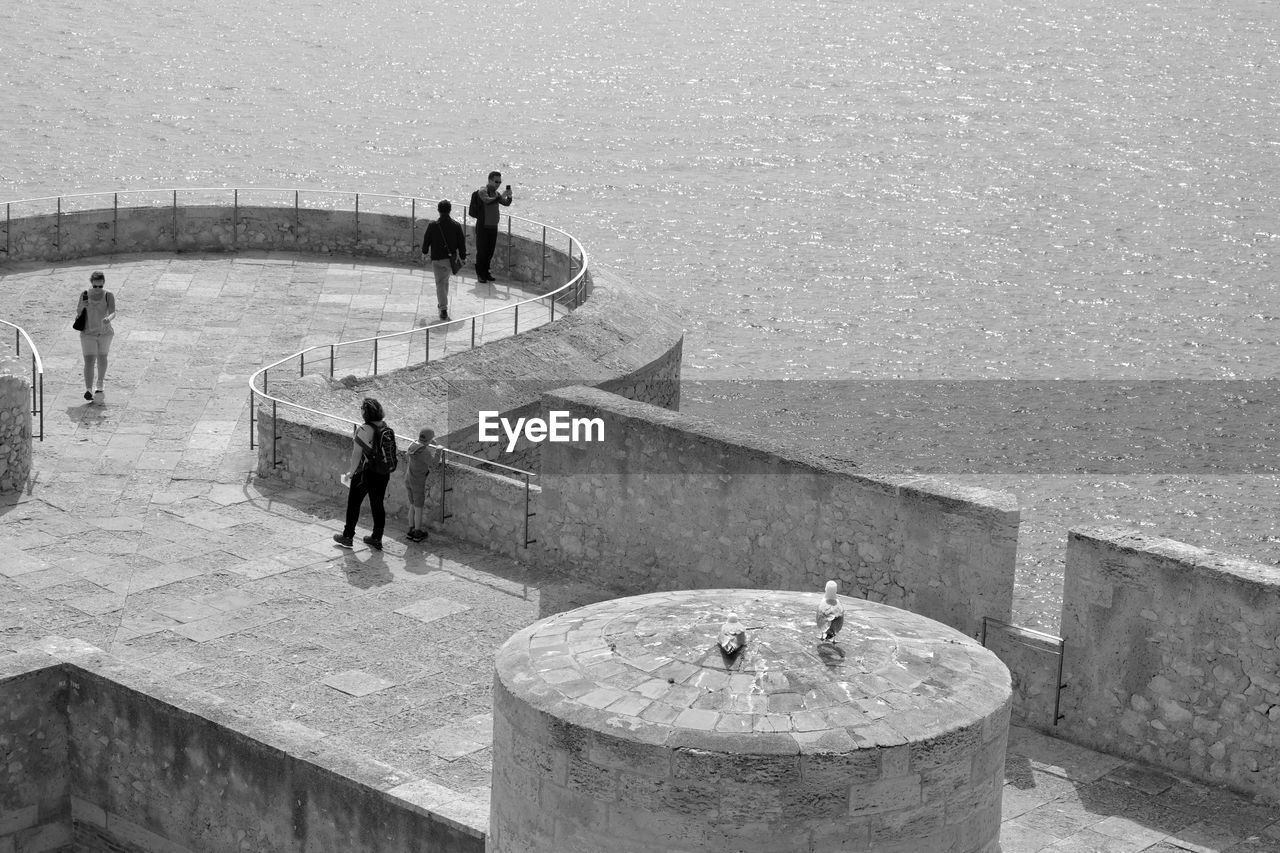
81	318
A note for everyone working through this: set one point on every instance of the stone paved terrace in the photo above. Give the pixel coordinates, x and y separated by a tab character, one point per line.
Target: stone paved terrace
145	533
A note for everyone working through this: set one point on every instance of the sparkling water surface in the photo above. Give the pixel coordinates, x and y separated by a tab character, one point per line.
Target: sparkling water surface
823	191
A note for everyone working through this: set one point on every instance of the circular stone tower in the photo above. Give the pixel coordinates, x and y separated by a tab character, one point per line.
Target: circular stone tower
622	727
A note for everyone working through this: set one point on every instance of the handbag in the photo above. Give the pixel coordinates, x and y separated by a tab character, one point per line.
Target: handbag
455	264
82	317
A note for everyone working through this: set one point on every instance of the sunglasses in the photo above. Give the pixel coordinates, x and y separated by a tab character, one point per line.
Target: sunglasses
99	285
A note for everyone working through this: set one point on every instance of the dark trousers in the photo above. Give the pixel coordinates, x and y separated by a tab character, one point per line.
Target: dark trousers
486	242
375	486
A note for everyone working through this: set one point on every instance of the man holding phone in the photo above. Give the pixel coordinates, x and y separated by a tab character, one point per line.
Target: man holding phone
484	207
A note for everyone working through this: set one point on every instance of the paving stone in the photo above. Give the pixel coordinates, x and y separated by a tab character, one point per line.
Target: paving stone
357	683
431	609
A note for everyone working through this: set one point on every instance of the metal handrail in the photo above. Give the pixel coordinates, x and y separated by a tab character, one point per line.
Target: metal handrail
37	371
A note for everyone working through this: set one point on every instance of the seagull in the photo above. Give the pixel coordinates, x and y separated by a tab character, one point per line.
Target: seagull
830	614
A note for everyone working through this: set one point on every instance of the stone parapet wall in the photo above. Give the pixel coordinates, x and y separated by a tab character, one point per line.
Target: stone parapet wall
15	428
669	501
34	777
618	338
1171	657
521	255
112	757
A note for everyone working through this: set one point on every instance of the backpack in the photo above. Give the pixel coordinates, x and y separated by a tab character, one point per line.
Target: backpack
476	209
382	457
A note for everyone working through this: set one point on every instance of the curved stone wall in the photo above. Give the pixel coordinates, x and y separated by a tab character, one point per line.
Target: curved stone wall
232	228
15	427
621	726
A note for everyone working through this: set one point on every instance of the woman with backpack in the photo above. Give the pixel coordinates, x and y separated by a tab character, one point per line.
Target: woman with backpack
373	458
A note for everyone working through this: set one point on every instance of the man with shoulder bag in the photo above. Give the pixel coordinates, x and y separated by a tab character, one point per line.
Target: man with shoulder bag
445	246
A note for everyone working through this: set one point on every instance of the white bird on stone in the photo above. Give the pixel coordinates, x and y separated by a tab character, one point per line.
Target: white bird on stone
830	614
732	635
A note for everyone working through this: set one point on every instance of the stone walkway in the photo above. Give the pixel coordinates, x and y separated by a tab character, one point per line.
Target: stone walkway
145	533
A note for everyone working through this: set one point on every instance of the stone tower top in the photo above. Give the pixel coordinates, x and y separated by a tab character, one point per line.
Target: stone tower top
649	665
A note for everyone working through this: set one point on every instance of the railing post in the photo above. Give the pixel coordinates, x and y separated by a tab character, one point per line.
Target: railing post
235	217
516	330
508	244
527	515
543	279
252	400
57	228
357	243
115	220
375	356
8	227
41	382
428	336
297	221
413	224
275	434
175	219
330	361
473	332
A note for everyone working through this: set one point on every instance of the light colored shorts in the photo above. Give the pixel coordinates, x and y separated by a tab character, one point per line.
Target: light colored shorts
95	344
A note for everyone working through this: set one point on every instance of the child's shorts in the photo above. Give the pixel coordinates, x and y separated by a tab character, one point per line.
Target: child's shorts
417	490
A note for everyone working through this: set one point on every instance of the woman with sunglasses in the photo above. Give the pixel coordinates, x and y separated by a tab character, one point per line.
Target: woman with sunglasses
99	305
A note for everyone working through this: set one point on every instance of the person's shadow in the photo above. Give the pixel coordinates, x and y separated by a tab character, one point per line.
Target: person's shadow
365	569
88	413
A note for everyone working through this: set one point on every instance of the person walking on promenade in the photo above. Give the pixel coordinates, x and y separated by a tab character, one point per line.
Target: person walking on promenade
484	208
373	458
99	307
444	245
422	458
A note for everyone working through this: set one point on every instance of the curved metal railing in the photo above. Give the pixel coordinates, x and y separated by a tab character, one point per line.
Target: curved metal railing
569	294
37	372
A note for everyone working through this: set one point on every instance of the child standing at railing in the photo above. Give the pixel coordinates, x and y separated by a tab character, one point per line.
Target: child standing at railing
422	459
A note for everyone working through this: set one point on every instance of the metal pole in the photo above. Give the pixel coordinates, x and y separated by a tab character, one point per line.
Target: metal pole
375	356
1057	694
508	244
57	228
235	216
115	220
252	400
297	226
7	227
357	245
527	541
330	361
41	382
473	332
544	257
516	330
444	475
302	364
175	219
413	224
275	434
428	334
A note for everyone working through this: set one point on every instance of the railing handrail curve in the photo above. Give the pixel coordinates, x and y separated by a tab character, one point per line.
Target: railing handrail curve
37	373
35	353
